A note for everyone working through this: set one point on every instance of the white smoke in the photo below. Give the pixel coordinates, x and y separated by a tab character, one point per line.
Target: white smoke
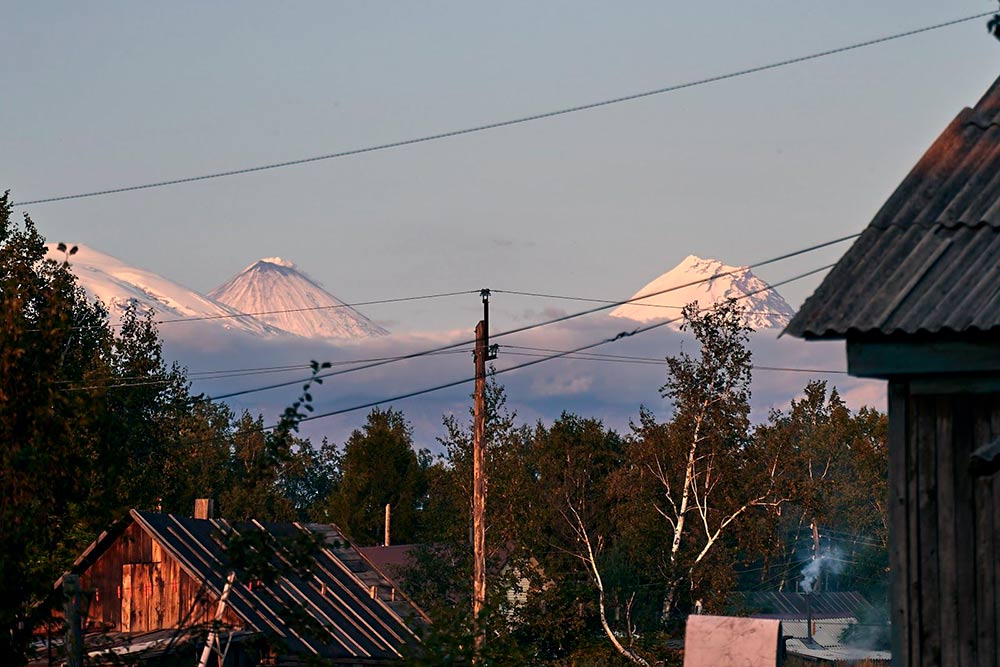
831	560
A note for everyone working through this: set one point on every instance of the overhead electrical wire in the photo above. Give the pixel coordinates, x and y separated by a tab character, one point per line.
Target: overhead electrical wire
147	381
310	308
626	359
549	322
513	121
564	297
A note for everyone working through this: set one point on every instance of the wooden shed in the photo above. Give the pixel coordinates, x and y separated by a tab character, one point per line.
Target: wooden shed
917	299
301	591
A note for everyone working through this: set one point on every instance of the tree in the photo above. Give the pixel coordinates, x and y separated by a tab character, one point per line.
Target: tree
700	474
380	468
50	339
92	424
575	460
835	472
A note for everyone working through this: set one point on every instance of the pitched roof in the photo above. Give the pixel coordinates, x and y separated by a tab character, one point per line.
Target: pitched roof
929	262
788	606
356	612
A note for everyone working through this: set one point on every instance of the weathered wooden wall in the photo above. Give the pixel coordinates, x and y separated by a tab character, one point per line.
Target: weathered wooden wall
137	587
944	544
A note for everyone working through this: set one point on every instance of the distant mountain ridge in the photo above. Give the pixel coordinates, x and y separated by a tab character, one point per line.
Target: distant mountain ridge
294	302
764	309
119	285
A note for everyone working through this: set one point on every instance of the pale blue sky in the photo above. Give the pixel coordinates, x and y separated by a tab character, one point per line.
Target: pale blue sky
596	204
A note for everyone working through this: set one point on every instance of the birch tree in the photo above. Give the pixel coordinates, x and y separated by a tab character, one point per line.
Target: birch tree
701	474
575	459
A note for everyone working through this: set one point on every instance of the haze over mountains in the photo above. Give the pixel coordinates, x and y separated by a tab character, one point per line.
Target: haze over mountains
226	350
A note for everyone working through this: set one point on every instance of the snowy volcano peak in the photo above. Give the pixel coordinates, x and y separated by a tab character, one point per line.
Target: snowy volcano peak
275	291
708	281
278	261
119	286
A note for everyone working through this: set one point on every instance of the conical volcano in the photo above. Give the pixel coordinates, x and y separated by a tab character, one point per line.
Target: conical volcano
275	291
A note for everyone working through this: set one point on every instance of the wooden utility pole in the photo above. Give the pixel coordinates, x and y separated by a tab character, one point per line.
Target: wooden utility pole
482	354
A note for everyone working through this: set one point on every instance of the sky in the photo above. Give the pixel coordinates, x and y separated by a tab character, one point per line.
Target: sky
593	204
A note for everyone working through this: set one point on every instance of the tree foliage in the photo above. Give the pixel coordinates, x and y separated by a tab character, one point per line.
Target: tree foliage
380	467
598	543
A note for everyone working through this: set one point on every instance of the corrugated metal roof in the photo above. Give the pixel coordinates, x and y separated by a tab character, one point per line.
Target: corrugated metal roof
783	605
333	588
825	644
929	262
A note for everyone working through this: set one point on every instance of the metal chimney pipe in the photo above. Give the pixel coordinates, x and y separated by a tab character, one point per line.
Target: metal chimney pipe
809	618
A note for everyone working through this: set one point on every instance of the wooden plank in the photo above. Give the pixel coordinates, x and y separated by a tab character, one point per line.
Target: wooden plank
948	573
158	598
899	600
955	384
930	608
916	406
964	531
126	606
985	600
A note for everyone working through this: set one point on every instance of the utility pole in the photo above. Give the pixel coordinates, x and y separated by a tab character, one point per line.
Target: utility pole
482	355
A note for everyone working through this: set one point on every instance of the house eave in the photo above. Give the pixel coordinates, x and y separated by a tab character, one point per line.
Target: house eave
915	358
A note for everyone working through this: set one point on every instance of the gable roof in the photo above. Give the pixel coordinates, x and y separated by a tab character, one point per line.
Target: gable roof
929	262
356	612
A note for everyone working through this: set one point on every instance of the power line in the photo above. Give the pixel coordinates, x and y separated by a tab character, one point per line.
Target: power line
124	382
565	297
634	332
339	305
620	358
514	121
555	320
356	304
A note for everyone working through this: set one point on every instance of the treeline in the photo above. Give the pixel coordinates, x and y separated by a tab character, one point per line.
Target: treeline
598	541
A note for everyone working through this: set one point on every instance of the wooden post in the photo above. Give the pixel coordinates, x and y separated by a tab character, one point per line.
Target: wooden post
387	509
74	627
479	473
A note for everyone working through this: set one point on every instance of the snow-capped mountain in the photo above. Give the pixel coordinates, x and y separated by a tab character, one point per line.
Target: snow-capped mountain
293	301
763	310
117	285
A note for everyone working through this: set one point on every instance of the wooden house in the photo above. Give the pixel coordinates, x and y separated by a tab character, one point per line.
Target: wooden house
299	592
917	299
